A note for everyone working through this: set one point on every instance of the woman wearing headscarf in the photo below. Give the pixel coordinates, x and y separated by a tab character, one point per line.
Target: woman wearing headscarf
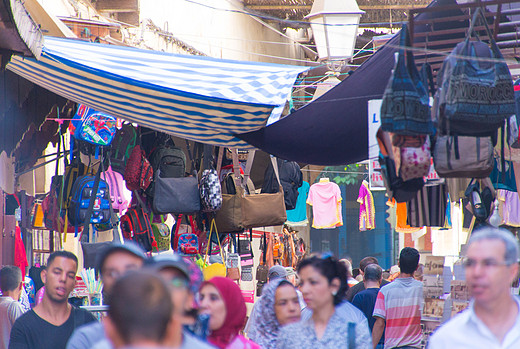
333	324
278	306
222	300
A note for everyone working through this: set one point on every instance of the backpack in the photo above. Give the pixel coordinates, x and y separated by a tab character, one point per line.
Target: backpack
170	160
138	171
135	226
72	173
122	146
475	96
397	188
94	127
50	205
413	162
291	178
117	188
210	191
80	200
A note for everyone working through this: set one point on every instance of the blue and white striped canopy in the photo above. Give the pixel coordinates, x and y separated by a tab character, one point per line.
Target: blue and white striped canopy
198	98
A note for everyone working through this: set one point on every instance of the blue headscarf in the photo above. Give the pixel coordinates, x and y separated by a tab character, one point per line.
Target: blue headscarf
265	325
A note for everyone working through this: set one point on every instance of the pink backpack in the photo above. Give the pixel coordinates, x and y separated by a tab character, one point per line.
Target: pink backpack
118	193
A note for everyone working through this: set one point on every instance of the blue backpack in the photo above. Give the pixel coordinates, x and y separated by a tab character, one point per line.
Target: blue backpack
93	127
80	201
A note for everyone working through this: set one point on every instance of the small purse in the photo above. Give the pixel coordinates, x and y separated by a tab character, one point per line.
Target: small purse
215	269
232	262
262	270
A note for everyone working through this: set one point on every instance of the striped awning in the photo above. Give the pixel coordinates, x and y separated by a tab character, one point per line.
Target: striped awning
198	98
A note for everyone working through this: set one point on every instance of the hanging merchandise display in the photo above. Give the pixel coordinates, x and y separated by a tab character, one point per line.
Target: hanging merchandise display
475	95
214	269
242	208
428	207
291	179
509	207
138	171
298	215
325	199
124	142
209	184
405	108
119	195
135	226
367	217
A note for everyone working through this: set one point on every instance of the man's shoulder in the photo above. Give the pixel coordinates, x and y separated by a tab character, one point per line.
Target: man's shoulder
190	341
86	336
27	318
83	316
454	327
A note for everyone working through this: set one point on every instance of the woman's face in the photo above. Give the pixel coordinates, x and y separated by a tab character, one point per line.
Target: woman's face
211	303
286	305
316	290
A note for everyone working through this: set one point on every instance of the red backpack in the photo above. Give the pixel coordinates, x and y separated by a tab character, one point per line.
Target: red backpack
135	226
138	171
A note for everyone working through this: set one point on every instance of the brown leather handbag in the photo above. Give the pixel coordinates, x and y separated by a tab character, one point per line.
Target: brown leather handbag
264	209
245	209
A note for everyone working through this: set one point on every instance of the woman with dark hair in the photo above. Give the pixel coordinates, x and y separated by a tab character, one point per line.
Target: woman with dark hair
222	300
333	323
278	306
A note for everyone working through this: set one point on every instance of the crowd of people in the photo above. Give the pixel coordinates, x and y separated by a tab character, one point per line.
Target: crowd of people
163	302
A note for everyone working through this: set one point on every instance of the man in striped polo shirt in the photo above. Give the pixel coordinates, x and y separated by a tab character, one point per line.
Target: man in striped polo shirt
399	306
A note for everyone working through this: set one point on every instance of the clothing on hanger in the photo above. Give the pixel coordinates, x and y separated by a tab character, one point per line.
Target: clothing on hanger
325	199
298	216
367	219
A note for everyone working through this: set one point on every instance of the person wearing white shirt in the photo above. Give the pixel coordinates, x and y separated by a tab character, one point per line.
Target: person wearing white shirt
492	319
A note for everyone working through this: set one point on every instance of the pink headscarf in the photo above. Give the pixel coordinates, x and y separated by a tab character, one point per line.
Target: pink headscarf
235	311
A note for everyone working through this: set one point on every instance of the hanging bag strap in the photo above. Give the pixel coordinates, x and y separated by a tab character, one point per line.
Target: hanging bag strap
213	225
264	250
221	151
193	167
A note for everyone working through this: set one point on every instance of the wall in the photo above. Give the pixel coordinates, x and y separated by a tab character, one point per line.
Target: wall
214	32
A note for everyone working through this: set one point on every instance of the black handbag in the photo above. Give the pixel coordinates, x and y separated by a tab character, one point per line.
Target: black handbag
176	195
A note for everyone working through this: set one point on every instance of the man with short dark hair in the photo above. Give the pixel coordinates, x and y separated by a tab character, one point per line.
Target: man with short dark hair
492	319
352	291
366	299
10	309
399	306
140	311
113	262
50	323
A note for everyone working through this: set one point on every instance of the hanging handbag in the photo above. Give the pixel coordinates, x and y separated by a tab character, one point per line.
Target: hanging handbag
463	157
475	95
263	269
215	269
405	107
176	195
263	210
232	262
